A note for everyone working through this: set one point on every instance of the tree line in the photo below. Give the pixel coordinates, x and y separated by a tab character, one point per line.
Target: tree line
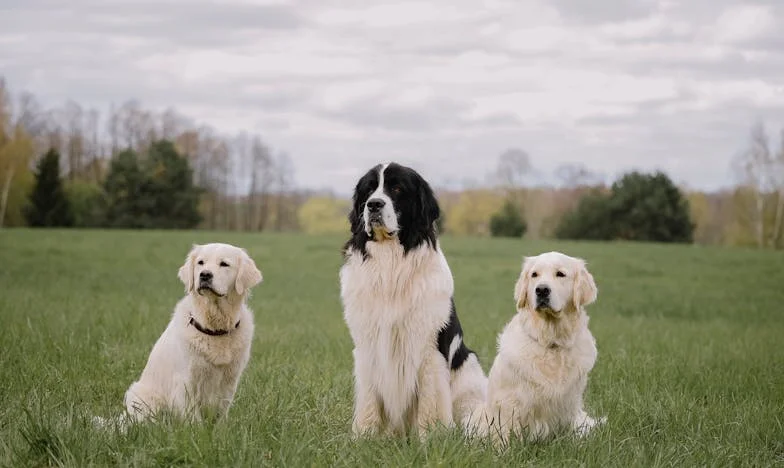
636	206
242	183
138	168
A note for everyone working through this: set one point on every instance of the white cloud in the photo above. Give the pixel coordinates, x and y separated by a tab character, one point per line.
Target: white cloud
340	93
651	27
441	84
392	15
742	23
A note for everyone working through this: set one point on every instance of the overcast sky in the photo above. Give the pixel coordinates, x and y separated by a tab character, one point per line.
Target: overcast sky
442	85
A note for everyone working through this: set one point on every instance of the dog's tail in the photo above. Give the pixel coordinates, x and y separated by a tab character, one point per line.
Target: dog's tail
469	393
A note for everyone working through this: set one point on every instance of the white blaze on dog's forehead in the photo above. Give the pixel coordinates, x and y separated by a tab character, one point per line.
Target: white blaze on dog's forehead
379	192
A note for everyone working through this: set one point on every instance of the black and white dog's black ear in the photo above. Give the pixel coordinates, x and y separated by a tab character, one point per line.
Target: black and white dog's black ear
420	215
355	217
428	204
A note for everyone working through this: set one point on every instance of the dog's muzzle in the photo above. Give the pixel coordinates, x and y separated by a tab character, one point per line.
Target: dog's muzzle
205	279
543	298
205	283
375	206
376	227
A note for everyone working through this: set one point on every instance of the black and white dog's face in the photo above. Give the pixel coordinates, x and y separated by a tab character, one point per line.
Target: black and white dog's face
393	202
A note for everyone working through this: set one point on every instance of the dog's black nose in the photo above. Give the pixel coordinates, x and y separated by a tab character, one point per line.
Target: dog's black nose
205	275
542	291
375	204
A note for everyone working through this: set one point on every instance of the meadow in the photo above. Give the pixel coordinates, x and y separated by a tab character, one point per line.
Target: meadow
690	369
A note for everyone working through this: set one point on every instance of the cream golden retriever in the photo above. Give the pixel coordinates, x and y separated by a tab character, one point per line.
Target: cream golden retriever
195	366
545	353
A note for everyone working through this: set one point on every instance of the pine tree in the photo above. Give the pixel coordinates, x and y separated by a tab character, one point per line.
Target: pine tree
169	185
123	188
156	192
49	205
508	222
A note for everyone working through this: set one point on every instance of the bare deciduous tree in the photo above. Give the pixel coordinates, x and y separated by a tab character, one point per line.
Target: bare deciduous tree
514	166
777	173
239	176
93	148
284	178
263	178
16	146
74	144
754	166
576	175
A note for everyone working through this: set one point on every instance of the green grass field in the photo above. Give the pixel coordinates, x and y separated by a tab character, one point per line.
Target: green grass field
690	369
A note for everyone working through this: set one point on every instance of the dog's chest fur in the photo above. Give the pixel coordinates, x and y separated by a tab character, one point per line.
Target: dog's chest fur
557	366
394	306
217	361
545	379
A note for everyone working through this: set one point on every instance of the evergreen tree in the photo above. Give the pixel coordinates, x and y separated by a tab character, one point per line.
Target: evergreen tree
86	199
640	207
157	192
49	205
508	222
590	220
649	207
169	188
123	188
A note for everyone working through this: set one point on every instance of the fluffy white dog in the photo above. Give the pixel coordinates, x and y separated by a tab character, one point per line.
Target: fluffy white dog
545	353
197	362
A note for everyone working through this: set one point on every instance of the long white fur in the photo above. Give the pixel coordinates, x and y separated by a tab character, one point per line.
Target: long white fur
394	306
537	380
188	371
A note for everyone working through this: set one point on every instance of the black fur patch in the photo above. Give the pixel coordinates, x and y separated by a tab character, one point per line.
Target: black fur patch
415	204
447	334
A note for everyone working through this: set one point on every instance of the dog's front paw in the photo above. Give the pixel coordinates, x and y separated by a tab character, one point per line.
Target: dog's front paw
363	429
584	424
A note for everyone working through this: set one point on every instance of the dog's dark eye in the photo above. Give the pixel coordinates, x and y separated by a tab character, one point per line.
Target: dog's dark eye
560	274
534	274
201	262
396	189
224	264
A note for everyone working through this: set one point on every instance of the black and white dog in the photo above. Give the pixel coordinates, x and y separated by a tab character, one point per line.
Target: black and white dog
411	367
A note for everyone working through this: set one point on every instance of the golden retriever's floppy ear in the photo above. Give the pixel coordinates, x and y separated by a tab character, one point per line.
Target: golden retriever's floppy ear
521	288
248	275
186	270
585	290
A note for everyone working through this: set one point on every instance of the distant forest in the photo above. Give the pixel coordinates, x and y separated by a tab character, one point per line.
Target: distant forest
127	167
